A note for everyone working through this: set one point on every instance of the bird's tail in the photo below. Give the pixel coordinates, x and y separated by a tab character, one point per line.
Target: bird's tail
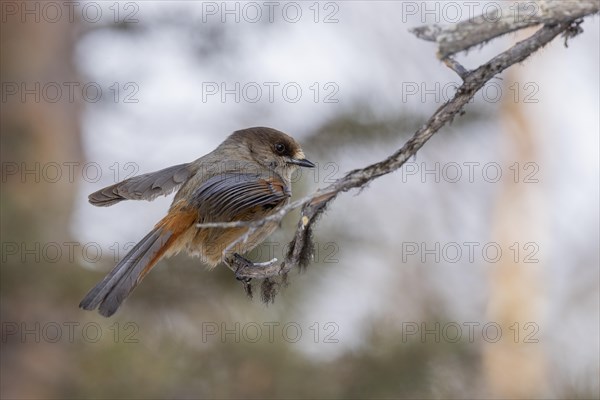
110	293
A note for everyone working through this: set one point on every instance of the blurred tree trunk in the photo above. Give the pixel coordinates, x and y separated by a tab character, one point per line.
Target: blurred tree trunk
37	138
515	366
34	131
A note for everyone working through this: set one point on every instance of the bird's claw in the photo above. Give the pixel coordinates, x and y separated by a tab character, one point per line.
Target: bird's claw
243	263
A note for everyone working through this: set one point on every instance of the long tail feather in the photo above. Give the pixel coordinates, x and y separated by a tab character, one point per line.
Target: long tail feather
109	294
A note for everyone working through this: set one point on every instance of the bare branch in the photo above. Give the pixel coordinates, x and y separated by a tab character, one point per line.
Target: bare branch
301	247
499	21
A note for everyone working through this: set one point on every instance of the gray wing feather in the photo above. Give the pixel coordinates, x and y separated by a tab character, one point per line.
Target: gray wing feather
225	196
143	187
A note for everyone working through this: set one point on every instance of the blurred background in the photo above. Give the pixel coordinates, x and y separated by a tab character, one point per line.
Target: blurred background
473	272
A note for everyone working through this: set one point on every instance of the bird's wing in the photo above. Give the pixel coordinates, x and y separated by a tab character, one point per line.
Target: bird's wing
143	187
234	196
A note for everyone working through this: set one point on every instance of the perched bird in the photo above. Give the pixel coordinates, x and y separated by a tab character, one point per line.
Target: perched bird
246	178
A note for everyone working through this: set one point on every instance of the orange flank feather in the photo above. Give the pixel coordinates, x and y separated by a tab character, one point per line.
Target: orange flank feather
177	222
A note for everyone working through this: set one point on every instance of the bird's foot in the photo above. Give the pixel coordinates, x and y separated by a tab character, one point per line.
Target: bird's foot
243	265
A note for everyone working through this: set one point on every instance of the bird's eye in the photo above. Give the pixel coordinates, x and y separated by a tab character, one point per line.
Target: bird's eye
280	148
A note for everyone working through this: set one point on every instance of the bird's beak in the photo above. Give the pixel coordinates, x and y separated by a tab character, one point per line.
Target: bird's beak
303	162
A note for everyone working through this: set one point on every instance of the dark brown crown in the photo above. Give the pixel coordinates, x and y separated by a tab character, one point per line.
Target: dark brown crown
269	138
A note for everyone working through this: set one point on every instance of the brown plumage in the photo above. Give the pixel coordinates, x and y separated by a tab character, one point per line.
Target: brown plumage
246	178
